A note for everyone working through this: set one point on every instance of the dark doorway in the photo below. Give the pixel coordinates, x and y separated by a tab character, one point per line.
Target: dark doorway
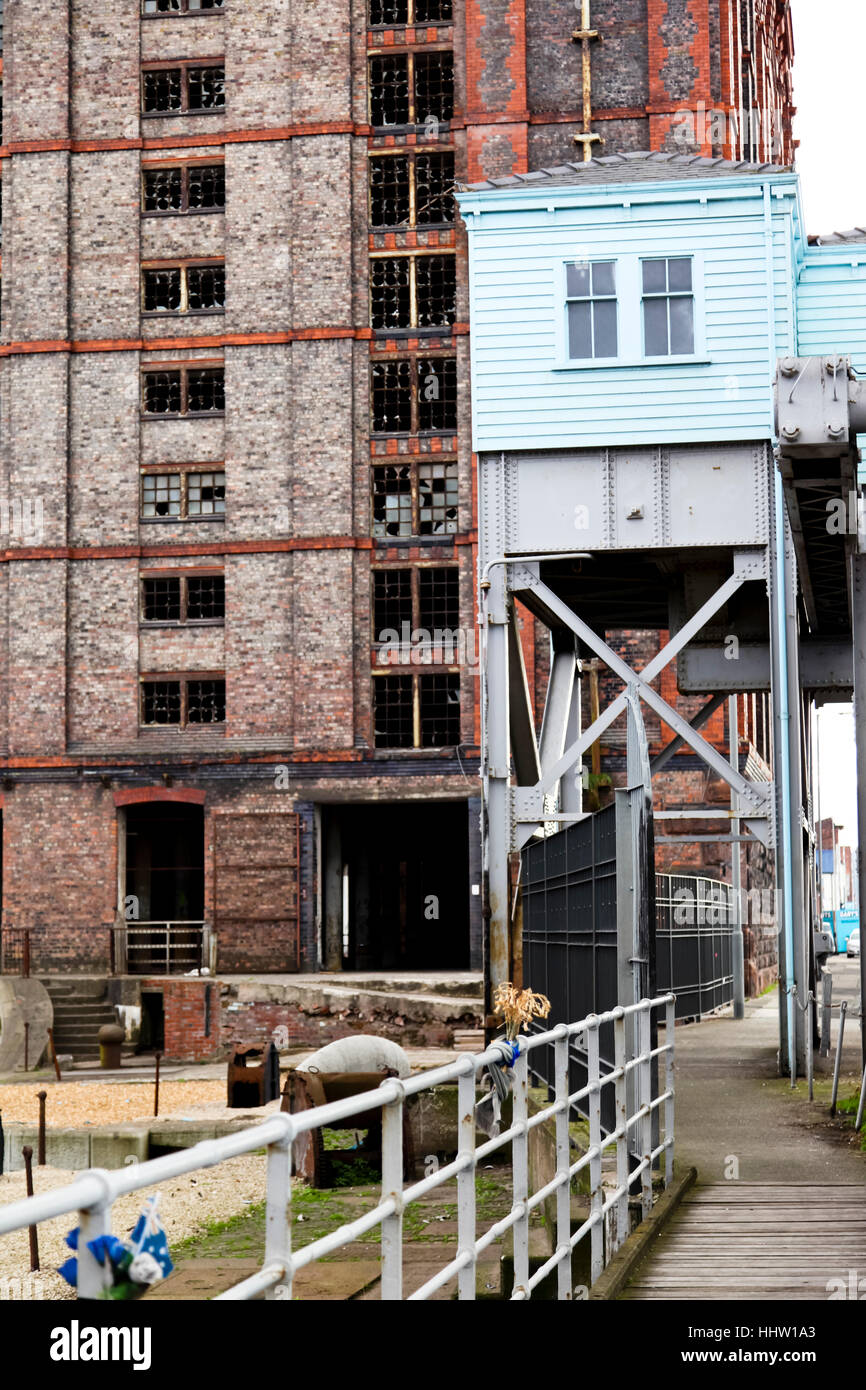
165	862
406	869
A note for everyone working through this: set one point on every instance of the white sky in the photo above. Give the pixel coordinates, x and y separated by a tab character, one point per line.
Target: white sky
829	44
829	48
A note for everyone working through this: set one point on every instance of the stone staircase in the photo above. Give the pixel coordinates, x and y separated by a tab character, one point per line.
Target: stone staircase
81	1007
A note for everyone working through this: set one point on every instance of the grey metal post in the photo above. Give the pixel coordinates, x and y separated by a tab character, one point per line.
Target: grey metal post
466	1181
801	953
858	625
563	1159
496	777
737	945
826	1006
843	1009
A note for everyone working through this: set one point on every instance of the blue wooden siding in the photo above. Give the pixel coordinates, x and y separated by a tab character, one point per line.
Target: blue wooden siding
525	398
831	302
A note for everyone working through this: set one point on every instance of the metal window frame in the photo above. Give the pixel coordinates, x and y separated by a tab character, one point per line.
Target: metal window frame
184	576
410	22
184	12
184	266
184	368
183	678
411	155
415	673
668	295
414	357
184	470
409	53
413	462
414	568
184	165
183	65
413	257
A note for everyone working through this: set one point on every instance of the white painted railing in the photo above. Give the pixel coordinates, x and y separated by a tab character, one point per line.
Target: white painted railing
92	1195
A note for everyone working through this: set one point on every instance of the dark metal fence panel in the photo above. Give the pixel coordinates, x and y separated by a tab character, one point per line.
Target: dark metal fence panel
695	921
570	936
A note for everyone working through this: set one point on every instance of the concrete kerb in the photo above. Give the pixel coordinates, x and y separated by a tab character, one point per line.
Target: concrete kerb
633	1250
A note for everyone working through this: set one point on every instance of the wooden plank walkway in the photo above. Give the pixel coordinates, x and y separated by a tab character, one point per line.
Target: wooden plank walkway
759	1241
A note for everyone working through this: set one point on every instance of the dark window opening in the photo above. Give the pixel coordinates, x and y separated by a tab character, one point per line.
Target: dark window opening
413	291
391	391
415	499
207	88
194	598
390	297
434	188
206	287
439	700
434	87
184	189
421	605
184	391
165	861
390	203
439	598
392	601
206	702
162	290
207	186
162	393
160	600
436	278
414	88
409	189
388	12
417	711
393	716
410	395
183	701
437	393
184	88
389	90
180	6
163	190
160	702
205	598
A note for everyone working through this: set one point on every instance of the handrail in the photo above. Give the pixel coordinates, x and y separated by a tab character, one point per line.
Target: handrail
92	1194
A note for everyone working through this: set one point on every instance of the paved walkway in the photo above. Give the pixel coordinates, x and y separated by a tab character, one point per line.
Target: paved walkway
779	1209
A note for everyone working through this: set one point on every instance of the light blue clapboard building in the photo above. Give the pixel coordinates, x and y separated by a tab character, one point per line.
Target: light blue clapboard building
630	317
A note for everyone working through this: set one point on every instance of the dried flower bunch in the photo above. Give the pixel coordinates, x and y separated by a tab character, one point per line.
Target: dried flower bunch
518	1008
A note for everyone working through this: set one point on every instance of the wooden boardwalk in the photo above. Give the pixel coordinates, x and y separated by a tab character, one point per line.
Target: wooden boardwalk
759	1241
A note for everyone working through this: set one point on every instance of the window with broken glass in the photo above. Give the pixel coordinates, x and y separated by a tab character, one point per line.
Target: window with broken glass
183	700
187	495
158	7
182	88
416	615
184	289
411	395
416	711
415	498
412	89
385	13
417	291
183	188
184	391
412	189
177	599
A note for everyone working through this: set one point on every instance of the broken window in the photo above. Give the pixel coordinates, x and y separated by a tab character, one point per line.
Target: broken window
184	391
415	499
406	189
388	12
439	599
416	711
160	600
392	602
434	87
436	290
413	291
176	496
412	395
184	188
414	88
180	6
184	289
439	701
184	87
183	598
183	700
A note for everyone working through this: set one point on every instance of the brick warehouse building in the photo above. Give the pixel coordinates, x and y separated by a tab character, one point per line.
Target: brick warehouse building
235	446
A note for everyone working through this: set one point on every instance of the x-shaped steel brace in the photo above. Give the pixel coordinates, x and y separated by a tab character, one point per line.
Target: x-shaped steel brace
748	565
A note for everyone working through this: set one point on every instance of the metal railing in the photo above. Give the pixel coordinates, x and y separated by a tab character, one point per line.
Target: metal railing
92	1195
162	948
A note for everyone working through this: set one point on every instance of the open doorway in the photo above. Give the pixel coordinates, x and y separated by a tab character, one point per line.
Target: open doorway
405	884
164	887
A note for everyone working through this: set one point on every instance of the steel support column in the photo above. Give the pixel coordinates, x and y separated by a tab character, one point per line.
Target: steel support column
858	597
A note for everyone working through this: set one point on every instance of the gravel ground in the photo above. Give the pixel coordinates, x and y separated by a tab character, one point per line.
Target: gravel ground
72	1103
187	1205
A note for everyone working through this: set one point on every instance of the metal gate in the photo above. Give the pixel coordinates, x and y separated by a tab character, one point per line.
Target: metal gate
695	922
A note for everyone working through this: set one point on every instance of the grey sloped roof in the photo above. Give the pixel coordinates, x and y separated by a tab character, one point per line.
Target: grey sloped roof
839	238
639	167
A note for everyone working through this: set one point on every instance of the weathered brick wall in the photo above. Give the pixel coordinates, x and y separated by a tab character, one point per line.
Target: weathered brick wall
191	1014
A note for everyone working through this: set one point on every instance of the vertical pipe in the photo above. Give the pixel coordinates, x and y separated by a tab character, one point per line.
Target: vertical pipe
93	1277
466	1180
26	1046
277	1227
563	1193
826	1014
53	1046
737	944
392	1187
620	1232
25	965
41	1096
843	1009
595	1197
27	1155
520	1169
645	1124
670	1087
808	1015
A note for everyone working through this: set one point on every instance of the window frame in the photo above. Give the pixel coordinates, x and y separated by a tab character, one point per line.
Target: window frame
183	65
413	462
419	653
416	676
410	54
184	266
184	12
408	23
414	359
592	300
668	295
185	471
184	679
411	154
413	257
184	575
184	165
630	333
205	365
